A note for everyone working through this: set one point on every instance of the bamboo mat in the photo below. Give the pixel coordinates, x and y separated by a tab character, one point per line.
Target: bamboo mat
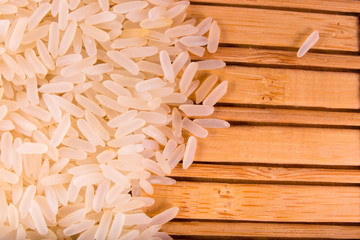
289	166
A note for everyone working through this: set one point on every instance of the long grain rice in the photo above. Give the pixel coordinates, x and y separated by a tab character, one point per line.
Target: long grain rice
194	41
78	227
210	64
116	226
60	131
176	10
38	15
67	38
13	216
73	4
196	50
308	43
17	34
187	77
194	128
32	148
156	12
196	110
204	26
63	14
53	42
44	55
165	216
214	37
57	87
25	202
89	113
212	123
94	32
104	225
166	66
189	153
54	109
38	218
216	94
130	6
100	195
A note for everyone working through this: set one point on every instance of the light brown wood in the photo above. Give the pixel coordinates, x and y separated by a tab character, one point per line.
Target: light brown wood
289	87
281	28
236	229
209	172
345	6
287	116
259	202
284	58
279	176
281	145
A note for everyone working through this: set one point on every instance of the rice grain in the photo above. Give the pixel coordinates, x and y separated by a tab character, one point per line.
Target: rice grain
189	153
214	37
308	43
38	15
89	113
17	34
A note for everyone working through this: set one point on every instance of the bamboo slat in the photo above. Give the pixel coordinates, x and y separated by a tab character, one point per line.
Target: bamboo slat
209	172
286	230
287	116
281	28
259	202
285	58
290	87
281	145
345	6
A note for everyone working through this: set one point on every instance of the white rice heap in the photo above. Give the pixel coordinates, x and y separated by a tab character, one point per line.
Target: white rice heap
89	113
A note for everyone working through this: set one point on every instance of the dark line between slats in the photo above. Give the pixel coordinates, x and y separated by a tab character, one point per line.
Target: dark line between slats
202	237
290	49
282	165
287	107
269	222
264	182
295	125
255	237
296	67
287	9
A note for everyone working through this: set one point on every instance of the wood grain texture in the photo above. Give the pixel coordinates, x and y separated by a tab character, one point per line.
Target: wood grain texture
290	87
287	116
281	28
281	145
259	202
235	229
344	6
285	58
208	172
297	170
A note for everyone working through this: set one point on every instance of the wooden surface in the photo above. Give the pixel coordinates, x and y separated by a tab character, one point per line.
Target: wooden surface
289	165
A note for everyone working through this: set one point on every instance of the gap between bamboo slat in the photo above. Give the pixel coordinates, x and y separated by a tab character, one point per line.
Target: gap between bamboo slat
244	229
281	28
281	145
289	87
287	116
259	202
207	172
344	6
284	58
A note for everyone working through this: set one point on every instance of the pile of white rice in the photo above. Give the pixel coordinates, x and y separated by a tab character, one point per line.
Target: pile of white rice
93	97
